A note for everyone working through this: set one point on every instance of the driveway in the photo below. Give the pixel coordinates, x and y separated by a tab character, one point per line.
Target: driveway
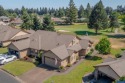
38	74
6	78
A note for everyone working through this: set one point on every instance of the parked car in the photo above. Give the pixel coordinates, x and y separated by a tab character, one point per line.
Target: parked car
7	58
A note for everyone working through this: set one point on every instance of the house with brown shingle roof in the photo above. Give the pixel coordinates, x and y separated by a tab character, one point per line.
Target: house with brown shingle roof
57	49
114	69
17	22
5	19
7	34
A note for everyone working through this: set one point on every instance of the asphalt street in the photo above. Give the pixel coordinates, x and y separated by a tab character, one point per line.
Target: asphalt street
6	78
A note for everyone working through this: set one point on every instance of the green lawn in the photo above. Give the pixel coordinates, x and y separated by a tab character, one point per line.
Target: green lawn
75	76
18	67
80	29
116	51
3	50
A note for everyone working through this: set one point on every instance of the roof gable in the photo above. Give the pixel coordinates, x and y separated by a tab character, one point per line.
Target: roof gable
61	52
118	66
7	32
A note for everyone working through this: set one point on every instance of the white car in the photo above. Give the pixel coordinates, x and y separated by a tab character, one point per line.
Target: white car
7	58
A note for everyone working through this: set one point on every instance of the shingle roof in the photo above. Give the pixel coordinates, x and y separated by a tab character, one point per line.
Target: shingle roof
70	52
17	21
86	38
61	52
6	32
84	43
65	39
22	37
22	44
76	47
2	23
4	17
46	40
30	31
118	66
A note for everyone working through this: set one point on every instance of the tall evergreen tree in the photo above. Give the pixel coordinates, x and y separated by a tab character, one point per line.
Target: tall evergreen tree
98	18
56	13
27	23
2	11
72	12
123	20
109	10
61	12
48	25
37	25
88	10
81	12
114	21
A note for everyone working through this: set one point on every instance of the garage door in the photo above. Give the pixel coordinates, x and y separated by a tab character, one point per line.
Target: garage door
50	62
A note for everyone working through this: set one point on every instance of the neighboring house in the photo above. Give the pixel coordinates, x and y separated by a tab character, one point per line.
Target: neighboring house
17	22
58	20
57	49
5	19
113	69
7	34
2	23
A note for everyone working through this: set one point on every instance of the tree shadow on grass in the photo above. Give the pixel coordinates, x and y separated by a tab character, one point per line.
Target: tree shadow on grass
93	58
123	49
87	32
116	36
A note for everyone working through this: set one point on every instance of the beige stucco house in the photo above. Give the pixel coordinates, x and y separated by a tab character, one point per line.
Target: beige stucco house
7	34
57	49
17	22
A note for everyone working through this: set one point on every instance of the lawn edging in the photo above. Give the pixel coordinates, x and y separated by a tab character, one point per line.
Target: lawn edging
17	68
8	72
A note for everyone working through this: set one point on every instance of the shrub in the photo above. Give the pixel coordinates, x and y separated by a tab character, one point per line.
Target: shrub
123	28
68	65
89	54
117	55
122	79
104	46
92	50
61	67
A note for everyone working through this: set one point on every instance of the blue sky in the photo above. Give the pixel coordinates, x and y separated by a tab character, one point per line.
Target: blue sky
55	3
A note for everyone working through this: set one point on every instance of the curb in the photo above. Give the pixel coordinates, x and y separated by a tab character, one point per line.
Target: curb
8	72
16	77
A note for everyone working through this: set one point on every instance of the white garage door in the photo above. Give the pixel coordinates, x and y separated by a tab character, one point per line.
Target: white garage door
50	62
